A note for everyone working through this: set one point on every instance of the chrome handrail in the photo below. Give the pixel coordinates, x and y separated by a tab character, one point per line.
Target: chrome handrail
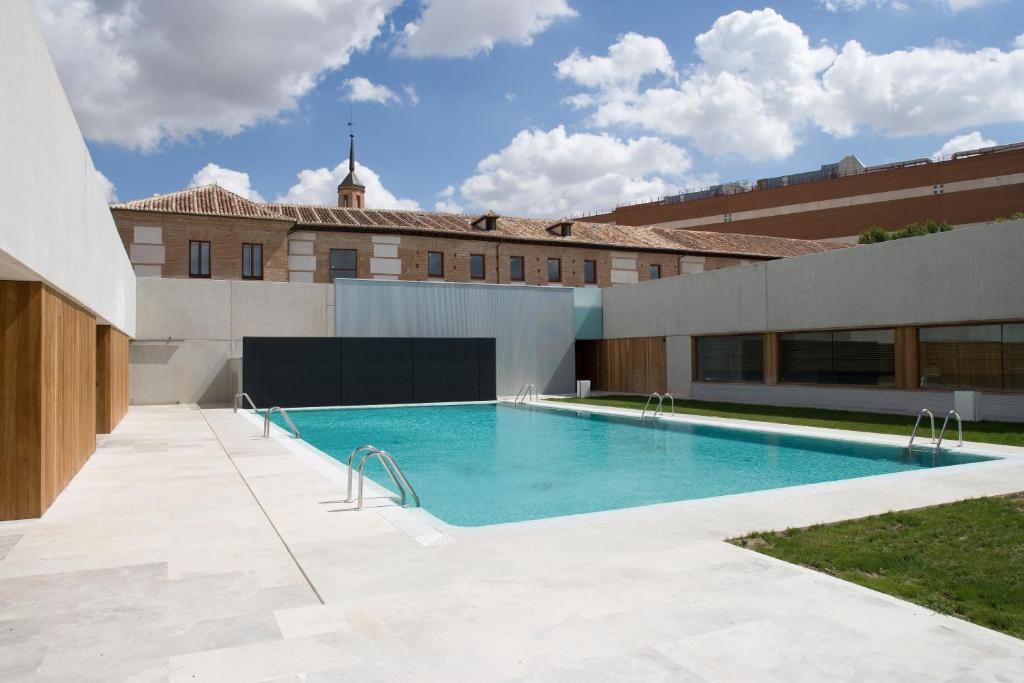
237	402
525	392
959	430
917	423
287	419
351	457
389	464
643	414
671	400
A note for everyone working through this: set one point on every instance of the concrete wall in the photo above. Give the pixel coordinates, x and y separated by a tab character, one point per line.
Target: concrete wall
189	339
54	223
533	326
968	275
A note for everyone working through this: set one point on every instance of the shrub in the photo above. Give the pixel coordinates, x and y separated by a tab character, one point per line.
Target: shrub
1019	216
877	234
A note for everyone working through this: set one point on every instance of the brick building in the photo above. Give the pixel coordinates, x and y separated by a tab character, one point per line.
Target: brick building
209	232
840	200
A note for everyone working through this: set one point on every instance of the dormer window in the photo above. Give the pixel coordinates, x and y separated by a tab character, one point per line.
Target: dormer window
488	221
561	228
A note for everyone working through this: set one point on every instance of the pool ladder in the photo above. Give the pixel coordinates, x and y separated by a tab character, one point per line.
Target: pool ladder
942	432
237	402
659	408
525	392
287	419
398	477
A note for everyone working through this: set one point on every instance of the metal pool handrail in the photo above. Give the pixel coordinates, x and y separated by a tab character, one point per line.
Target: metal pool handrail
917	423
526	391
287	419
658	408
671	399
959	430
237	401
394	471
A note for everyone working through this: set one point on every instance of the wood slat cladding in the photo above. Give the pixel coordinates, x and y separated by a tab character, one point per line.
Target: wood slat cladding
907	363
47	396
111	378
634	365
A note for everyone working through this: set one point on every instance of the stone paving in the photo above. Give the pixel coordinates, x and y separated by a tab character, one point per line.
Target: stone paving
191	549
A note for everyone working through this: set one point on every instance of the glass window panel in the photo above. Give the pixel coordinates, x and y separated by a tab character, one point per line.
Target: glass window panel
966	356
1013	357
515	267
343	263
193	258
204	258
246	260
590	272
257	260
476	266
435	264
654	272
737	358
805	357
865	357
554	270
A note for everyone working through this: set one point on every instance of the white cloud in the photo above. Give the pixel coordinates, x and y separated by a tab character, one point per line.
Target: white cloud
462	28
760	82
962	143
229	179
364	90
139	74
410	94
855	5
1018	42
553	173
447	203
109	191
320	187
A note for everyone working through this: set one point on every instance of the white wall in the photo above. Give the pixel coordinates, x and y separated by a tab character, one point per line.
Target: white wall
55	226
189	338
968	275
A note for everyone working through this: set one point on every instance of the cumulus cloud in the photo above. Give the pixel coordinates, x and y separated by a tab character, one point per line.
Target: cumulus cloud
139	74
364	90
553	173
447	203
109	191
320	187
463	28
963	143
234	181
411	94
760	82
1018	42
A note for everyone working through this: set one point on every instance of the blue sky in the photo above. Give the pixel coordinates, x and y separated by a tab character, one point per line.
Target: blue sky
691	92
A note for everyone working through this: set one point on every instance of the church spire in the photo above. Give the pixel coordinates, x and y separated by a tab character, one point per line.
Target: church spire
351	192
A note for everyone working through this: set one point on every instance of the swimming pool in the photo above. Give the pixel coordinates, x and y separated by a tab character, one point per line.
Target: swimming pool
475	465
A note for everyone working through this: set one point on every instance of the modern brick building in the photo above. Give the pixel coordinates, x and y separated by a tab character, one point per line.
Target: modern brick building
209	232
840	200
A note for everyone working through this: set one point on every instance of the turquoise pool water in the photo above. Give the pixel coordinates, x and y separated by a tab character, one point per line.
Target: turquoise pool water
475	465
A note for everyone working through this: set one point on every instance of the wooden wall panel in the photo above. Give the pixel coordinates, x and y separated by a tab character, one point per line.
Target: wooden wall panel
47	396
635	365
907	361
111	378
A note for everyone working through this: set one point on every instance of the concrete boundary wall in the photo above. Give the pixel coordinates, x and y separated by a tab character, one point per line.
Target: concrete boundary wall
968	275
189	337
55	226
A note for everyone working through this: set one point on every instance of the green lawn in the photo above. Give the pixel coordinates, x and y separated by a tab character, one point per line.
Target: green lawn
1007	433
963	559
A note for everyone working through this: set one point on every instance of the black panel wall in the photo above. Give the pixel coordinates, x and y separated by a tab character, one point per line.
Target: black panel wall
329	371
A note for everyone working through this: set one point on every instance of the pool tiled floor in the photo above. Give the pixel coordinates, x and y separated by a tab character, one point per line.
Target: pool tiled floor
166	559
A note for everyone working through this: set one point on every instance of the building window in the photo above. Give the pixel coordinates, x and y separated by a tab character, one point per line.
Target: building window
972	356
654	272
938	189
252	261
727	218
359	202
435	264
343	263
476	266
516	271
859	357
344	201
198	259
554	270
735	358
590	272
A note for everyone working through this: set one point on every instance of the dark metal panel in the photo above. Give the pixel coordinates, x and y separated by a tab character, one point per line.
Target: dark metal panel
376	371
486	350
301	371
252	369
445	370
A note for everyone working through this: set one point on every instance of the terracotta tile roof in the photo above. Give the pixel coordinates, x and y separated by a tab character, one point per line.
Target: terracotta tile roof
206	200
213	200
